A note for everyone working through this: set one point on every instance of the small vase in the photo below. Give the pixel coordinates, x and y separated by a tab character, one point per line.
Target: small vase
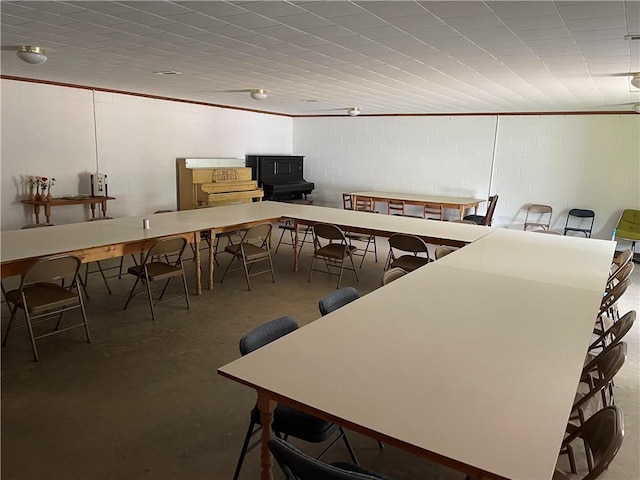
43	195
32	196
37	196
49	196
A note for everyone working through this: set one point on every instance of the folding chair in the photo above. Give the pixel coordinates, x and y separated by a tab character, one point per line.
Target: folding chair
252	248
330	244
48	288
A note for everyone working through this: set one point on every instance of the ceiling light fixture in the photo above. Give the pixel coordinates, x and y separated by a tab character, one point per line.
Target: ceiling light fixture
636	107
258	94
32	55
353	112
635	81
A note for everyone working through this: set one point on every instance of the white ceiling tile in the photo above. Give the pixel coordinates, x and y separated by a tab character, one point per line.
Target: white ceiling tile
14	7
331	9
215	9
521	9
375	33
420	21
602	23
47	17
450	10
304	21
196	19
495	33
274	9
250	20
61	8
330	32
96	18
596	9
389	10
427	34
544	33
471	23
360	21
535	23
233	31
105	7
159	8
145	18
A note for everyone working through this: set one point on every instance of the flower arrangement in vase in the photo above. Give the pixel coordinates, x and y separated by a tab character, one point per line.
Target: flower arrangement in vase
52	182
44	183
33	183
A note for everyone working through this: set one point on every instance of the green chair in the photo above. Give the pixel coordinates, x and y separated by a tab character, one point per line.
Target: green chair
628	227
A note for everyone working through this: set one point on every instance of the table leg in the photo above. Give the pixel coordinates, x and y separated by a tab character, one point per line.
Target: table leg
47	212
212	242
461	210
266	406
93	210
104	207
196	259
296	247
36	212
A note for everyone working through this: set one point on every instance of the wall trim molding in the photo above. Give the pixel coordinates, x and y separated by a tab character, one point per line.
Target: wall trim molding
215	105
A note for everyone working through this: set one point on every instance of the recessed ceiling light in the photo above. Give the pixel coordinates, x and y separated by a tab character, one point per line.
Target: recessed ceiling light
169	72
632	36
309	100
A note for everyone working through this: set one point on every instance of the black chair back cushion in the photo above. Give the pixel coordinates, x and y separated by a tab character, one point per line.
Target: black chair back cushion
267	333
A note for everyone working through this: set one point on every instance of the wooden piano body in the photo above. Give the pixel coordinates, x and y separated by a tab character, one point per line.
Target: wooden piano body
200	186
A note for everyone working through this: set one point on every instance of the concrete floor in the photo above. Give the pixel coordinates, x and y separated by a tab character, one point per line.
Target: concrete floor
144	399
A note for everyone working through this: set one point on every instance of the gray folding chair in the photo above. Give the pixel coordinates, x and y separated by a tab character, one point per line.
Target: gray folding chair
252	248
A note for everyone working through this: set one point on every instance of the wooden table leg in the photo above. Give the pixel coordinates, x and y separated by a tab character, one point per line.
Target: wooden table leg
47	212
212	241
93	210
36	212
266	406
296	247
104	207
196	259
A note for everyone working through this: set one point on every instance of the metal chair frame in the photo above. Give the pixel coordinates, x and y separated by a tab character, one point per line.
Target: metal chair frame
540	211
333	252
43	294
407	243
254	247
582	214
153	269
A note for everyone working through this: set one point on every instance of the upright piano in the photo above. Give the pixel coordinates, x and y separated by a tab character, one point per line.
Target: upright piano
280	176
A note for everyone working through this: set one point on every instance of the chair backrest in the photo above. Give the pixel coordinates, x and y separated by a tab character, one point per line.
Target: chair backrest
621	274
364	204
267	333
347	201
396	207
581	214
539	213
611	295
601	370
433	212
297	465
52	269
328	231
616	332
622	259
629	224
393	274
258	234
337	299
408	243
488	218
443	251
603	434
167	246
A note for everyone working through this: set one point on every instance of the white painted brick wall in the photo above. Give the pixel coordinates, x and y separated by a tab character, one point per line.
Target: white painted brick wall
573	161
48	130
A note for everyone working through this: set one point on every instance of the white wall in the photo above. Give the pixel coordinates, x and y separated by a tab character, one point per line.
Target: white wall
49	130
581	161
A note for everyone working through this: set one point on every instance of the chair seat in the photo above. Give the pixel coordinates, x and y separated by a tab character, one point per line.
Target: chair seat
409	263
335	250
298	424
42	297
156	271
251	251
479	219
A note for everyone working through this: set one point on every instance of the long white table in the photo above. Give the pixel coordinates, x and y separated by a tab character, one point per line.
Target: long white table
483	383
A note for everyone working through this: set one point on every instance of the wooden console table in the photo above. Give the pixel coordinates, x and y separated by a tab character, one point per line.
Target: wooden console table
59	202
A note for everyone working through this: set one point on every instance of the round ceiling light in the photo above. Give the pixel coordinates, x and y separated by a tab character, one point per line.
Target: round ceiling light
258	94
32	55
353	112
635	81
